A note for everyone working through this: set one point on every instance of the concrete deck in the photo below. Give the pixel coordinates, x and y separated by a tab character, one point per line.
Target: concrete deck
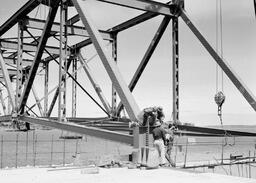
113	175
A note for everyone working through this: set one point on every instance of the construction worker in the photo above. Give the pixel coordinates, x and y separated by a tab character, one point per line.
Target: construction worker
160	114
159	139
169	128
151	114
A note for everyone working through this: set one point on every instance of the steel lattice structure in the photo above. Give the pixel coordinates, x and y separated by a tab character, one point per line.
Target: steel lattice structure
69	56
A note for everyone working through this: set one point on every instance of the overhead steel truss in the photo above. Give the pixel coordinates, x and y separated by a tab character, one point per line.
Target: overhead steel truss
26	54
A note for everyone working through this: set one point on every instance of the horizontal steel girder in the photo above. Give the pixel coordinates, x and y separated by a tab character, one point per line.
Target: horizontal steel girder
92	131
13	61
123	26
203	131
27	47
214	131
132	22
71	21
144	5
6	118
12	72
71	29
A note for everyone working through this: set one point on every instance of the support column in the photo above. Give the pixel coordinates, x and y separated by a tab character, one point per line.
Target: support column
114	93
63	62
19	66
3	103
46	87
74	87
56	95
175	69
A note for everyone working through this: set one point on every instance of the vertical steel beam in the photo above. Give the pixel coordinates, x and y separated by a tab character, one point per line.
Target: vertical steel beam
74	86
94	83
39	52
63	62
114	93
19	66
46	86
159	33
175	69
244	90
55	97
3	103
110	66
8	82
37	101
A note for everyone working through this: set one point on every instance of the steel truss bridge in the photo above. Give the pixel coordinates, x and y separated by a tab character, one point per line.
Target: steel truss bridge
22	71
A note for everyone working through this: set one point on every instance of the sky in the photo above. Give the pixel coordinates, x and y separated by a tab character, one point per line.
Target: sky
197	68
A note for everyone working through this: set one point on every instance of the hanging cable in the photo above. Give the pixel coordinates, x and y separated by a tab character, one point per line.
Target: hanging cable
221	44
217	44
219	96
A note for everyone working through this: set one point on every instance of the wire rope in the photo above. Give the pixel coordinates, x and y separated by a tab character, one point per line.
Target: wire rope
219	45
220	97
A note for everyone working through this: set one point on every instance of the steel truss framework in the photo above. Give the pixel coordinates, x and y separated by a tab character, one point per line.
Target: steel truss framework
26	69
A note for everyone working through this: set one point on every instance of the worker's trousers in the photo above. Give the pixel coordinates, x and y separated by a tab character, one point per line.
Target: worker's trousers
159	145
